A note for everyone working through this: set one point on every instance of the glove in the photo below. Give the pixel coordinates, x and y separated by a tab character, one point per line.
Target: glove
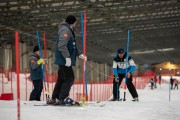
116	79
68	62
83	57
41	61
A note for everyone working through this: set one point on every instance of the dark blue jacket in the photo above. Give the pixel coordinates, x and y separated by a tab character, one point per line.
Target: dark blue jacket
65	45
35	69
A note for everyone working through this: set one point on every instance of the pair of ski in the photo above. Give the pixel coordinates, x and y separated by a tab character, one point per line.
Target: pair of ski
76	104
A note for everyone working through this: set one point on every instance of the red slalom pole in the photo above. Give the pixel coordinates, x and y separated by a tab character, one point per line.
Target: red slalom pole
11	80
2	79
17	72
46	66
26	83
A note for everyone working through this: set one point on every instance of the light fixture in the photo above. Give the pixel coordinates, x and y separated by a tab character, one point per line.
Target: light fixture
152	51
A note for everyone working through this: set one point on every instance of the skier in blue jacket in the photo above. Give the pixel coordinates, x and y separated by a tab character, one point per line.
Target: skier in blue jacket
119	70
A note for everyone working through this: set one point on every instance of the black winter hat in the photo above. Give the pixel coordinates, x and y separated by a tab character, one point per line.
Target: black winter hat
70	19
36	48
120	51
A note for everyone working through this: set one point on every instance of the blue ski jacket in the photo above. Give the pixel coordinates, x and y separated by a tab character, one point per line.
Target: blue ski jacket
119	65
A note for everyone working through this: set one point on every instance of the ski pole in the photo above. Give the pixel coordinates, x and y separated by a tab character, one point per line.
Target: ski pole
117	89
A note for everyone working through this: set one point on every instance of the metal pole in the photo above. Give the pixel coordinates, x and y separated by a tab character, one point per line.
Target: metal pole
17	73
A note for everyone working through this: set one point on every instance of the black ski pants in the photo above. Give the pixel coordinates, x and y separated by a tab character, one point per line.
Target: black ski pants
64	82
36	92
129	84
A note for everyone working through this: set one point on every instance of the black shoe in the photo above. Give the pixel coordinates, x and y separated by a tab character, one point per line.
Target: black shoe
113	99
135	99
119	99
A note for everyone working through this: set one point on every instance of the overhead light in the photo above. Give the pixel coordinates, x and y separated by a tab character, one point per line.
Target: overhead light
97	20
153	51
93	0
142	52
35	11
165	49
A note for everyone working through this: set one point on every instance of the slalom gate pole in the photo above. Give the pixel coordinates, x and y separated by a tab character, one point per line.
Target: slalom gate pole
44	79
17	73
11	80
127	52
83	27
46	66
2	79
85	79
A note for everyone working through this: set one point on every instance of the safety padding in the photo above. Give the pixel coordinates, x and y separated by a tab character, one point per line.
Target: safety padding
6	96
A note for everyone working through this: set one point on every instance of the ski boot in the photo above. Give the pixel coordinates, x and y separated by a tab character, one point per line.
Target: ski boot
135	99
70	102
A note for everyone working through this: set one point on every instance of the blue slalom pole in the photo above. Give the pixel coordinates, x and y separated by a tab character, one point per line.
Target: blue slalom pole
127	51
127	55
41	56
82	28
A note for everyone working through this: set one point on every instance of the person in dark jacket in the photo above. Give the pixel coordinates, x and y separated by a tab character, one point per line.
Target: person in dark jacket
152	83
171	82
65	57
35	63
119	70
159	78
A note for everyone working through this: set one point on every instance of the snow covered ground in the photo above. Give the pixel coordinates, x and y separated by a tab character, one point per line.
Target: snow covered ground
153	105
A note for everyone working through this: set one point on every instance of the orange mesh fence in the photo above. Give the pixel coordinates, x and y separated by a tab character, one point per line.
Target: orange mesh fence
97	91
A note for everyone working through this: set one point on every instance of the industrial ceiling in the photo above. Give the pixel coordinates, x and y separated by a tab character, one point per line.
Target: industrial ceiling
154	26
